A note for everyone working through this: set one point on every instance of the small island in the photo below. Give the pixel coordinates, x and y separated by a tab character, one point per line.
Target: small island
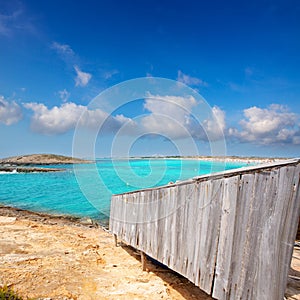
32	163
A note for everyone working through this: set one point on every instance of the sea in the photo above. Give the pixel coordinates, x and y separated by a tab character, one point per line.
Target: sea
85	190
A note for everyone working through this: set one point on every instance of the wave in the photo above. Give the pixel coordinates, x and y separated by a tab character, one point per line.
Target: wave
9	172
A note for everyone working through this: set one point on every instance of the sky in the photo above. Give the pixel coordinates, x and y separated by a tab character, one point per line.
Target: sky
242	57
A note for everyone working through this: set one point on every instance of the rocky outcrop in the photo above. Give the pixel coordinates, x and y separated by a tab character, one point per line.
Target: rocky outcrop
41	159
11	169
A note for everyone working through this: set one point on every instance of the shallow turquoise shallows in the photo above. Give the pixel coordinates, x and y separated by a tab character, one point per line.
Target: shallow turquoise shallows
60	192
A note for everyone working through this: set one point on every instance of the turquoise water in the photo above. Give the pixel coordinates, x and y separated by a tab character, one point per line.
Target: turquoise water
86	191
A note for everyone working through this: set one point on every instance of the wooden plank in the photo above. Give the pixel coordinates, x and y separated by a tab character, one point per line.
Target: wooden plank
178	228
213	219
185	243
192	231
173	234
161	234
250	219
290	227
199	204
225	248
170	212
274	251
146	247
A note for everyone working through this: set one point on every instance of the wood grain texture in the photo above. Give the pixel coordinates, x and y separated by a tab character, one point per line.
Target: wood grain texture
231	234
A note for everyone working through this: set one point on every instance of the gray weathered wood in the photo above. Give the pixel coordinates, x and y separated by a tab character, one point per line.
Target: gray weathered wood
230	233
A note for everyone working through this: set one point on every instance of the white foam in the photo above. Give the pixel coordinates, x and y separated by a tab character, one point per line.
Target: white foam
9	172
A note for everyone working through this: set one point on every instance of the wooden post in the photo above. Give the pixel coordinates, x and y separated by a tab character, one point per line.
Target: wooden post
143	260
116	240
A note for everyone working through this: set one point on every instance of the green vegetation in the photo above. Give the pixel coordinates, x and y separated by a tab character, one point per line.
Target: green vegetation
7	293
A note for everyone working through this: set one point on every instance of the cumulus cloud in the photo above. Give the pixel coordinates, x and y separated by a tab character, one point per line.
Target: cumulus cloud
10	112
271	125
176	106
82	78
215	125
189	80
58	120
173	117
169	115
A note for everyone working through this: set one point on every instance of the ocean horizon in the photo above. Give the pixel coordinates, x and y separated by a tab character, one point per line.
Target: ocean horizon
76	191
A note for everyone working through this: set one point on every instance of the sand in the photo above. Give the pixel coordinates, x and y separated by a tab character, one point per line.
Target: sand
56	258
46	257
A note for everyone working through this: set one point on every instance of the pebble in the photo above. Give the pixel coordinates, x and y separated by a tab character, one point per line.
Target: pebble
86	221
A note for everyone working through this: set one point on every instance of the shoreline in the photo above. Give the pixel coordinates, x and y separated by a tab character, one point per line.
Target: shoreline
237	159
45	257
50	219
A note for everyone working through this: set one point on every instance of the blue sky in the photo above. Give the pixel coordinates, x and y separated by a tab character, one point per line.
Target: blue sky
242	57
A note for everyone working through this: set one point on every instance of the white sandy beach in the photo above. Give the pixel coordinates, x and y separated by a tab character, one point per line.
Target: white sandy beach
45	257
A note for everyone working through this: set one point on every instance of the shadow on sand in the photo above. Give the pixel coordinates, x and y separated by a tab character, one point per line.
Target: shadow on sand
180	284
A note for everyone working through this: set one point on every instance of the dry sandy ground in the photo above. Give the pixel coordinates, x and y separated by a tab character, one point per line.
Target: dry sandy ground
293	286
56	258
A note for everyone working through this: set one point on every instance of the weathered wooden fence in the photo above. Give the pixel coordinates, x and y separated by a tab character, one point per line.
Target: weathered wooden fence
230	233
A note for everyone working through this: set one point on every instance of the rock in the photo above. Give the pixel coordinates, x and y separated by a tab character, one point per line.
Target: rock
143	280
86	221
7	220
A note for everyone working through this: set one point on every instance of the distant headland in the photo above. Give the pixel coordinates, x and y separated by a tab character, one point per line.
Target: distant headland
31	163
41	159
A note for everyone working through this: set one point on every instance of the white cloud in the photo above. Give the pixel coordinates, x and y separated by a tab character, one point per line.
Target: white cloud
174	106
10	112
172	116
62	49
296	139
64	95
169	115
189	80
110	74
275	124
215	125
58	120
82	78
67	54
165	126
